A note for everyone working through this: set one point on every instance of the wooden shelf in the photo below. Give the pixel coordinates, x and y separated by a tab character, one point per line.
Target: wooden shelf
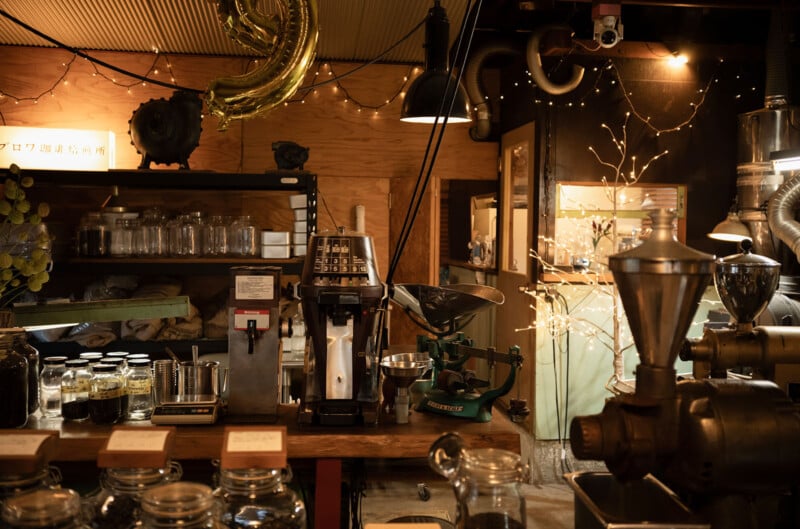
82	441
174	265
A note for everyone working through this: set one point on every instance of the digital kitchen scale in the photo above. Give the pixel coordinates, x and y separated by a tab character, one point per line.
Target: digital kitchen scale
186	409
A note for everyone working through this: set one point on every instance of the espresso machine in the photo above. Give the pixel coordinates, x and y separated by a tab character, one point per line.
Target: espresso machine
254	353
341	295
727	446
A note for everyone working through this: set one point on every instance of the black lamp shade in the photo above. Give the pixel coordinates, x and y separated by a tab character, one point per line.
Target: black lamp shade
423	101
426	98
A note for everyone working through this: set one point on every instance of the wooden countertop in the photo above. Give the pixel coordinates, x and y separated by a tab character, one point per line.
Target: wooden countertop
82	441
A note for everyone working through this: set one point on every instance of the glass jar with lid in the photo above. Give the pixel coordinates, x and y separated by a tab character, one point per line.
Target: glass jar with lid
53	368
13	384
105	395
254	498
75	385
117	504
184	505
44	509
139	388
486	482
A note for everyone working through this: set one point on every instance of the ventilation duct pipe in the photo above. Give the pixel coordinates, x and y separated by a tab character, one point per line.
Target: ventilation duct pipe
535	64
482	127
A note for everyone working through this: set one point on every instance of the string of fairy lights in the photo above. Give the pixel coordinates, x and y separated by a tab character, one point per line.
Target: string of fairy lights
325	75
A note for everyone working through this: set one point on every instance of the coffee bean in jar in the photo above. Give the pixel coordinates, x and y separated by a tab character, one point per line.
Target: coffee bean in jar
105	395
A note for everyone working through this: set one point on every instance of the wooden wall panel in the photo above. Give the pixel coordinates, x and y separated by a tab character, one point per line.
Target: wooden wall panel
360	157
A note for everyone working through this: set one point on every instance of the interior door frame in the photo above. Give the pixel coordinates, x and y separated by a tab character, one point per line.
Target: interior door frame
515	313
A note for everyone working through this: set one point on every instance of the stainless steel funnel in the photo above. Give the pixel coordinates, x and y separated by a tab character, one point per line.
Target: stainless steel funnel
660	283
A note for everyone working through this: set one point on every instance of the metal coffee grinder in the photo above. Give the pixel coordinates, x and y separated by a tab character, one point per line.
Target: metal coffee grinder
341	295
253	344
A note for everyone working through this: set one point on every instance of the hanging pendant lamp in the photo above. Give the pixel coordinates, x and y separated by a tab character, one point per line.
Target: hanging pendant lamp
425	97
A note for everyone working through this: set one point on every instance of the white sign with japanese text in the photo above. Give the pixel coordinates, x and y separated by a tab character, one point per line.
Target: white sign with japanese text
66	149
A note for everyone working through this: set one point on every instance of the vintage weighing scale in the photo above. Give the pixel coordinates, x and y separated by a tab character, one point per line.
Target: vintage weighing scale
444	312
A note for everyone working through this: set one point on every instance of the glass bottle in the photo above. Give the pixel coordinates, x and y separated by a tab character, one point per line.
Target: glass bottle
256	498
22	346
117	504
486	482
215	236
191	234
184	505
246	243
139	387
53	368
75	385
13	384
105	395
44	509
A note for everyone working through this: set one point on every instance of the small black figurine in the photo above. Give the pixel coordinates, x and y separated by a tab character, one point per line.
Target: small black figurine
289	155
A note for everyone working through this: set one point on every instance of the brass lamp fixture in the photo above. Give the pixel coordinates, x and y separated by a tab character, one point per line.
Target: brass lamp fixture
732	229
435	92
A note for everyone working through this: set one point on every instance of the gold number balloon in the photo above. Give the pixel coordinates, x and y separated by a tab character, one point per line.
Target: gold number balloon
288	40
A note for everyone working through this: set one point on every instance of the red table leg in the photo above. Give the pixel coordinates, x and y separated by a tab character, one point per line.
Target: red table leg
328	494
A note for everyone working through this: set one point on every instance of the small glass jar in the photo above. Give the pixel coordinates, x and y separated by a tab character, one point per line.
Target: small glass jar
153	236
117	504
53	368
192	234
258	498
44	509
184	505
122	236
75	385
122	372
105	395
13	384
245	236
93	357
94	238
215	236
139	388
22	346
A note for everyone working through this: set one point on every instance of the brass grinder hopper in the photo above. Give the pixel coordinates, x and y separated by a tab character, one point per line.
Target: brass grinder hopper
660	284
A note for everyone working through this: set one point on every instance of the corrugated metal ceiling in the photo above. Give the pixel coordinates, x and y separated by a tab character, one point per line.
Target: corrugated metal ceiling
351	30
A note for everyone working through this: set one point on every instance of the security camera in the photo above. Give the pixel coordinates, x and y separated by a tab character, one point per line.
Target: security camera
607	23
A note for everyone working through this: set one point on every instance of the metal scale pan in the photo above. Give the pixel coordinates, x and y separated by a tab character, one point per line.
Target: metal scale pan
444	310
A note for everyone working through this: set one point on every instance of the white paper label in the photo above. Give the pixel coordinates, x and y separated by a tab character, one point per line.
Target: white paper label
131	440
21	445
255	287
255	441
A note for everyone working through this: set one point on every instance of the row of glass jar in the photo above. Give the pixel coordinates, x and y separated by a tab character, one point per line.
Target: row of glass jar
155	498
154	234
102	389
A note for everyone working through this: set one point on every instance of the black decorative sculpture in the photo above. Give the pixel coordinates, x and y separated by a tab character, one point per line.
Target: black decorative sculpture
289	155
167	131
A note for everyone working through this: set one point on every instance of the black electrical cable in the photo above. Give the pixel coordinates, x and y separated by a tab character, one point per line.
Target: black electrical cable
566	387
